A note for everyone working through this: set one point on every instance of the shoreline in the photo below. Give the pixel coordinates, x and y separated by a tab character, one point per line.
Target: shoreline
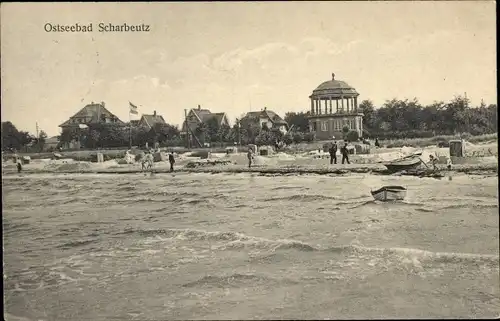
374	169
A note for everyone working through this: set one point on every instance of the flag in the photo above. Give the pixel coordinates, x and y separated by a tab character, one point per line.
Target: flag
133	109
82	126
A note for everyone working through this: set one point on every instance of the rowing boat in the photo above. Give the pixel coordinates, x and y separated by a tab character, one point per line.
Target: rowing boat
389	193
406	163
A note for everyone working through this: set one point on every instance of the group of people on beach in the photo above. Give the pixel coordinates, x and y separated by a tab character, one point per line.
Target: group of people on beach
333	152
147	160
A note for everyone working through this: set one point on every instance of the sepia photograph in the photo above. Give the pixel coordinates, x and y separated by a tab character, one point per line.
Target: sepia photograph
314	160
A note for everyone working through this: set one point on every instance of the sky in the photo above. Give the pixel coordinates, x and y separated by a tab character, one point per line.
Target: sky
239	57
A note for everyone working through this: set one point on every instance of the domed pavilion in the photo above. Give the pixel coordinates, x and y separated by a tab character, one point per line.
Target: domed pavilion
334	104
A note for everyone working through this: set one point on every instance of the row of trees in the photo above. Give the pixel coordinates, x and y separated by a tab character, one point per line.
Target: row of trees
114	135
394	119
14	139
248	133
409	119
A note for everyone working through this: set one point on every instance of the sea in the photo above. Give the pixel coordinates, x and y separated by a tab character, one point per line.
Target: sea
244	246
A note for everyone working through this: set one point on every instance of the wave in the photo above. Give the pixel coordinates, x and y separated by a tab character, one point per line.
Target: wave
301	197
74	244
236	280
454	206
240	206
16	226
125	188
237	241
288	187
425	210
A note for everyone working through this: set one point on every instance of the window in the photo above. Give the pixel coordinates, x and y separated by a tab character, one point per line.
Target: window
324	126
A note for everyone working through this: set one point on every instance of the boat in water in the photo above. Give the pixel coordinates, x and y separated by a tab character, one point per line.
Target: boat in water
405	163
389	193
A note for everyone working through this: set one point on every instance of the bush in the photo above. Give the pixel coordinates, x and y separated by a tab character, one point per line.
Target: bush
466	136
298	137
288	139
352	136
310	137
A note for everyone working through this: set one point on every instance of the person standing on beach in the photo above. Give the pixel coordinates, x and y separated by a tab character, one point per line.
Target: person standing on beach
433	161
250	157
19	166
345	154
333	152
171	160
377	144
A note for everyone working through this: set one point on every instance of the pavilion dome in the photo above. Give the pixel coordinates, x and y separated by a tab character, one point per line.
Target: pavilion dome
334	88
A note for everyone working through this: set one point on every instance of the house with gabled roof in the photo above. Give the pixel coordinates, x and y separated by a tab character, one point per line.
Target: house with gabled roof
92	113
51	143
264	118
149	121
196	116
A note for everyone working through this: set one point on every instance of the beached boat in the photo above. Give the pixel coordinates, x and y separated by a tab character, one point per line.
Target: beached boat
406	163
389	193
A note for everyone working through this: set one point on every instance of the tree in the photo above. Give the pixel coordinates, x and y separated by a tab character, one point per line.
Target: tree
162	132
250	132
68	135
140	136
39	142
213	127
201	132
92	140
299	121
265	137
368	109
223	134
12	138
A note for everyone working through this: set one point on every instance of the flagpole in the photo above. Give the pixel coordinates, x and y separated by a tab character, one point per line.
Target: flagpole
130	128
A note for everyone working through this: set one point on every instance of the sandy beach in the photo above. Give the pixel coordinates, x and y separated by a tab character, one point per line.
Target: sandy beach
314	162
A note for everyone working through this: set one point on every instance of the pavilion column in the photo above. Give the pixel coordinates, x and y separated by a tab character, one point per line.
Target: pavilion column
337	105
331	111
317	107
356	104
348	104
312	106
342	104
